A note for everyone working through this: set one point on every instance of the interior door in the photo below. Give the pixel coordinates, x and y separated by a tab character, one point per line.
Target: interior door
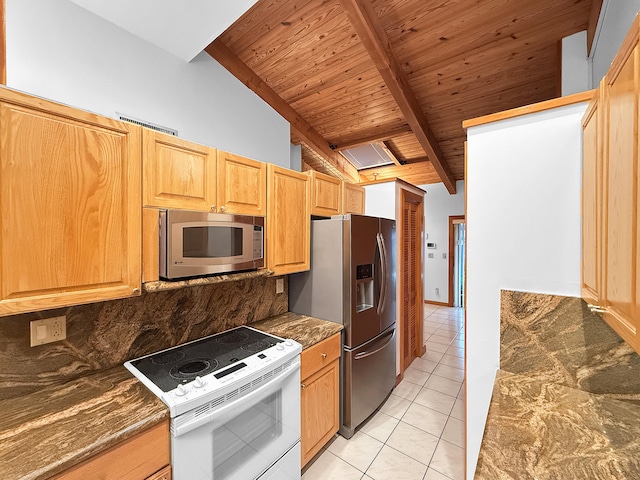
411	259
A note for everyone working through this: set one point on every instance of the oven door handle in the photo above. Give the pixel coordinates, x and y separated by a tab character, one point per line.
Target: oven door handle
230	410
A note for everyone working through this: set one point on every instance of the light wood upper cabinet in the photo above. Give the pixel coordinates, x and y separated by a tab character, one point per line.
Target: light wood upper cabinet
352	198
319	395
326	194
620	194
242	185
592	204
70	205
178	173
288	226
610	200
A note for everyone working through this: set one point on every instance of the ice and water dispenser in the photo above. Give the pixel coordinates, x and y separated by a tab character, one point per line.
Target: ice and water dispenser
364	287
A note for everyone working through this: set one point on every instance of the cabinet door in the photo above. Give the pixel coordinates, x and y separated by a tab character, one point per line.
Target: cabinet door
352	198
178	173
288	225
319	409
621	182
326	194
242	185
591	205
70	205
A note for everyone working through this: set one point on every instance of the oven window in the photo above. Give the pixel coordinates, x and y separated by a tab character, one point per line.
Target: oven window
246	436
211	242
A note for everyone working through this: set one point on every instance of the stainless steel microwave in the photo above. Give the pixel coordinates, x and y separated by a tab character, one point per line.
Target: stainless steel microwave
200	243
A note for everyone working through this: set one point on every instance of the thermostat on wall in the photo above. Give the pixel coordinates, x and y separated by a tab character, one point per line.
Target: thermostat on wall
431	245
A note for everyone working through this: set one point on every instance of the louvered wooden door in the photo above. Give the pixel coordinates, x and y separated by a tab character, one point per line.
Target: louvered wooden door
412	211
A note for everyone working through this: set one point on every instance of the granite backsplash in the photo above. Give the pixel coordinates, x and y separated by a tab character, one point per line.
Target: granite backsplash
105	334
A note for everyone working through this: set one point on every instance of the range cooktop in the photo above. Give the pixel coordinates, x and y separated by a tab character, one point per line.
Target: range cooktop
184	363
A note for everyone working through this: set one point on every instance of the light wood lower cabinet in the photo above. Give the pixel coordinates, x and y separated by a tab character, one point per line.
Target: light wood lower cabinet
69	205
142	457
319	395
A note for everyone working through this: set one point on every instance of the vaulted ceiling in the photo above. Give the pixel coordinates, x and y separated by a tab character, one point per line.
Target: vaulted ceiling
402	72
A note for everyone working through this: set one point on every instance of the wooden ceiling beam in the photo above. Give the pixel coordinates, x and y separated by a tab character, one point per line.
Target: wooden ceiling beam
374	38
381	137
219	52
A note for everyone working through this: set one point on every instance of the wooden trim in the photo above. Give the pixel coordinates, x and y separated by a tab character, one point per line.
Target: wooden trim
559	68
433	302
452	222
399	378
594	16
533	108
366	23
375	138
591	109
629	43
219	52
3	43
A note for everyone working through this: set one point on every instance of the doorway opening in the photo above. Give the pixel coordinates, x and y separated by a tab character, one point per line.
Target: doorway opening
457	261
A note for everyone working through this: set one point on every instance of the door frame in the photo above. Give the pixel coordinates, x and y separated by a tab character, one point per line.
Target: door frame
453	219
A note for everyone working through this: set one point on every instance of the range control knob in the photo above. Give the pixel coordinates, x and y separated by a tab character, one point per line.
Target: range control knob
279	346
288	343
181	390
199	382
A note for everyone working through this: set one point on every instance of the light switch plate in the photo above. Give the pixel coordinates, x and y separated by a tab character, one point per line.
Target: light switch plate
48	330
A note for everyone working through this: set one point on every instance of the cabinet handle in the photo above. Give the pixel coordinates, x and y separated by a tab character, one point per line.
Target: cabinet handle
303	385
596	308
213	208
136	291
324	355
223	208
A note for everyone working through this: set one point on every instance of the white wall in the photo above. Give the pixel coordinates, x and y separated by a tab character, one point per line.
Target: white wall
439	204
60	51
615	20
523	233
380	200
575	66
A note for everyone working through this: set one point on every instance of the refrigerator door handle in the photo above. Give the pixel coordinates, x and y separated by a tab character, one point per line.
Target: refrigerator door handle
383	271
364	354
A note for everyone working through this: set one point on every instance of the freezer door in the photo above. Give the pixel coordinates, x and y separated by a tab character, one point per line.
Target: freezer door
364	321
388	288
369	376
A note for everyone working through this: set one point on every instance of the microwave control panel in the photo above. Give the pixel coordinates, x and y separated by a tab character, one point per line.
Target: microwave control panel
258	242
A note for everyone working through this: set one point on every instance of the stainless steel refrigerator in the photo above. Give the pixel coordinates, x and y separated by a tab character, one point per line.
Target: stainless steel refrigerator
352	282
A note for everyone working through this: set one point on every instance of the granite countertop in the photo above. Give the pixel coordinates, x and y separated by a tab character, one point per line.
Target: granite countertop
44	433
49	431
303	329
566	400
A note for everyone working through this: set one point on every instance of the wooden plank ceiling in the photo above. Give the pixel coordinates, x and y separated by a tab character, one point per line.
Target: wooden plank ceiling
406	72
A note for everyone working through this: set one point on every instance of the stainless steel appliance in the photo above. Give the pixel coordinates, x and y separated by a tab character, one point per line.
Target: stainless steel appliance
200	243
352	281
234	402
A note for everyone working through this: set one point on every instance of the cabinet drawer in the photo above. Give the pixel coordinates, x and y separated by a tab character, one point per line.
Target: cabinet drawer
321	354
135	458
164	474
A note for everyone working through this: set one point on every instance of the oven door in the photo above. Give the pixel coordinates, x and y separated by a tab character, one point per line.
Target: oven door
245	437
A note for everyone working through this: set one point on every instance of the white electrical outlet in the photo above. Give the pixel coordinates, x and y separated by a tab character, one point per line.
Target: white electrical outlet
48	330
437	291
279	285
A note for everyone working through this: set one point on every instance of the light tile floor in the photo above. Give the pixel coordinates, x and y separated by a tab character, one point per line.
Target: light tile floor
418	433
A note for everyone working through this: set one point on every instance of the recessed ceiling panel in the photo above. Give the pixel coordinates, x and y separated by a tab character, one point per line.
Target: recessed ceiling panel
367	156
